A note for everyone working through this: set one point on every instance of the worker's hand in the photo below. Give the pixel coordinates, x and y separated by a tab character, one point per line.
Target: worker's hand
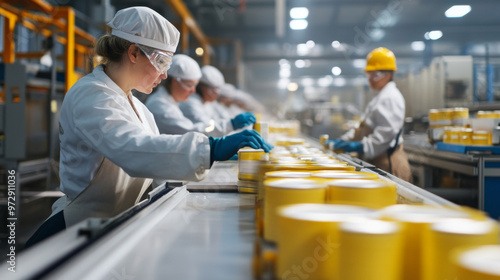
225	147
243	120
332	143
349	146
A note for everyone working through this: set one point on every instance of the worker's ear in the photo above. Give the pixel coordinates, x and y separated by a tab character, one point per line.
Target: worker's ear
133	52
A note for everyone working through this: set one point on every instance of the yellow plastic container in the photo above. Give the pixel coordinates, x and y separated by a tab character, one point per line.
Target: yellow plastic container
479	263
336	175
485	115
442	238
284	174
481	138
466	136
415	219
460	116
248	163
370	249
283	192
308	239
366	193
323	138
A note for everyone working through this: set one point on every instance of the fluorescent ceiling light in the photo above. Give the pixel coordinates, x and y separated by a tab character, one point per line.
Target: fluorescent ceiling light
298	24
418	46
339	82
335	44
457	11
293	86
310	44
336	70
359	63
377	34
285	73
300	63
283	61
299	12
325	81
302	49
307	82
283	83
433	35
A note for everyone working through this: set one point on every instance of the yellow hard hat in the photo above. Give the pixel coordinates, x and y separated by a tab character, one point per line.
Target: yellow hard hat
380	59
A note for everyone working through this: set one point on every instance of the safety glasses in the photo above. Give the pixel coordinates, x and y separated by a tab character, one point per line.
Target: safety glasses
186	85
375	75
160	60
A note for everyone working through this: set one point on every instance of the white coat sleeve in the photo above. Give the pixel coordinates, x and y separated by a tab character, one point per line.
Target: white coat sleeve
385	121
108	128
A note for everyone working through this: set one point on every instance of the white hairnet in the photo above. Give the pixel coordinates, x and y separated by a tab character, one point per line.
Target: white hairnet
184	67
227	90
211	76
144	26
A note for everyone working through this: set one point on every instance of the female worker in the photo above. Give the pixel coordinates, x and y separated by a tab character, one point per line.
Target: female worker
183	76
110	144
378	137
199	107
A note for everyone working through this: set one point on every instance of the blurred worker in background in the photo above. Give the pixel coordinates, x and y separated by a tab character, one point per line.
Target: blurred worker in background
199	107
110	144
379	135
183	77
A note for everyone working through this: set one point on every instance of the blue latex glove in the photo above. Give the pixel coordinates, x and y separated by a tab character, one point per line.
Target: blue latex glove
333	142
225	147
243	120
349	146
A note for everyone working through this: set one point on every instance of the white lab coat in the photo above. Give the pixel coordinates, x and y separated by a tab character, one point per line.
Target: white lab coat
169	117
385	116
97	122
196	111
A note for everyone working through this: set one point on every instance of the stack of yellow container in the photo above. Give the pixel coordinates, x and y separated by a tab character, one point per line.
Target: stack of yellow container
328	221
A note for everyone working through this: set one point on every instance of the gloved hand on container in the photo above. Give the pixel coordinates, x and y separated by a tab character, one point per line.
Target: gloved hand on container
227	146
349	146
332	143
243	120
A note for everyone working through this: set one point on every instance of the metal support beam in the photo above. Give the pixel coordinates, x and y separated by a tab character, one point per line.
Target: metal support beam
68	14
8	36
180	9
184	37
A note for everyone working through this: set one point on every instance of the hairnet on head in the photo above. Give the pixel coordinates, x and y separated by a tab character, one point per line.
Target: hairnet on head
144	26
227	90
211	76
184	67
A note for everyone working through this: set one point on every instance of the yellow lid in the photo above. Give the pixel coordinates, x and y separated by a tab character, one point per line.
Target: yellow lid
370	226
421	213
294	183
361	184
325	212
339	174
464	226
483	259
288	174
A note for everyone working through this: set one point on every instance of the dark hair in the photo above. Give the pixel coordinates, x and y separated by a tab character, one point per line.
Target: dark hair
388	72
111	48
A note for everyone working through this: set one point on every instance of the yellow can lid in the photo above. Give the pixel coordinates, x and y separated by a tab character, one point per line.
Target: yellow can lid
294	183
464	226
326	212
361	184
370	226
340	174
421	213
287	174
484	259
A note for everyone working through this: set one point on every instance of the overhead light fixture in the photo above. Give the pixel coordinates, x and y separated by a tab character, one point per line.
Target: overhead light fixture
199	51
307	63
298	24
302	49
299	12
433	35
457	11
325	81
292	86
310	44
300	63
418	46
307	82
336	44
359	63
377	34
283	83
283	61
336	71
339	82
284	73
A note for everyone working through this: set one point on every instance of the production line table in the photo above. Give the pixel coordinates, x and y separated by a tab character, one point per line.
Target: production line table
177	235
483	165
